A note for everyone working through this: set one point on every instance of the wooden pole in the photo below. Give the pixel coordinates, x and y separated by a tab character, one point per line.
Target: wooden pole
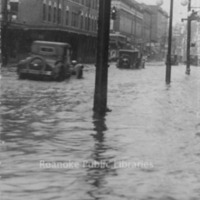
168	63
188	39
101	81
4	32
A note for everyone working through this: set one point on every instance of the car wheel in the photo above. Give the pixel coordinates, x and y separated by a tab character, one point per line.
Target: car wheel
39	61
21	76
61	74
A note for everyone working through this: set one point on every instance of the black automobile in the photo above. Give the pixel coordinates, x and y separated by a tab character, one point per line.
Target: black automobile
47	59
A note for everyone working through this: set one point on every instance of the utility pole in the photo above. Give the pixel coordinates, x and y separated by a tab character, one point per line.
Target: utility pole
168	63
4	32
101	81
135	27
188	39
150	35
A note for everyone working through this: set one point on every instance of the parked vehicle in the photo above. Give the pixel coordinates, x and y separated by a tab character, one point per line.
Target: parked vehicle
174	59
130	59
47	59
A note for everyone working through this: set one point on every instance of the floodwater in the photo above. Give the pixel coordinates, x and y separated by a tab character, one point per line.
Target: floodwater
147	148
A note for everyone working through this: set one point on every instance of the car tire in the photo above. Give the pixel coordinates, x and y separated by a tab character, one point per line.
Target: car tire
21	76
61	74
39	58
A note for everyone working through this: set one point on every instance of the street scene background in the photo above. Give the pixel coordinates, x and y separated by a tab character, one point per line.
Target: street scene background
53	146
153	131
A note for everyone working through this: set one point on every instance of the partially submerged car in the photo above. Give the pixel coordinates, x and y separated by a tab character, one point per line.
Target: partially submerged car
174	59
47	59
130	59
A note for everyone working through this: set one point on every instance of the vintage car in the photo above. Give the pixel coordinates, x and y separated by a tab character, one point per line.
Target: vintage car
47	60
174	59
130	59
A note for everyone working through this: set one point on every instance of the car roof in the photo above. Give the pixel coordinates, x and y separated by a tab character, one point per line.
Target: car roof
51	43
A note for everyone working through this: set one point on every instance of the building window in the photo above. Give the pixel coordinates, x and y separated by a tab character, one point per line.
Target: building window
14	6
44	11
89	23
82	22
74	21
59	14
49	13
67	17
83	2
88	3
95	24
54	13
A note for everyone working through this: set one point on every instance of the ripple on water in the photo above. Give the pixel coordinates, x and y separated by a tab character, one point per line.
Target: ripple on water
53	122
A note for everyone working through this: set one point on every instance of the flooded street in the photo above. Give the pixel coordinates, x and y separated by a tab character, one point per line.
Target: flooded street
147	148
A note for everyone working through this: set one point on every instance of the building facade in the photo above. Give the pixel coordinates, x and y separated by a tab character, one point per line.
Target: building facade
139	26
195	42
147	29
126	29
198	43
194	45
159	32
71	21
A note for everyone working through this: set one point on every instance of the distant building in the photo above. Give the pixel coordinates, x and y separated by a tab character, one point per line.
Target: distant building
198	43
73	21
159	31
139	26
147	29
177	38
194	45
126	29
195	42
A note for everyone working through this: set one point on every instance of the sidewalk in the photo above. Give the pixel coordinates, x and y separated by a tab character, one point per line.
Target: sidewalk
155	63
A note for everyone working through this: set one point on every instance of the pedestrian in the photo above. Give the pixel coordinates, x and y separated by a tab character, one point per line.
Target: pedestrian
79	70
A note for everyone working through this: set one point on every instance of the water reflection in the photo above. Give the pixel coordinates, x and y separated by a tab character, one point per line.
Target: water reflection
150	121
101	162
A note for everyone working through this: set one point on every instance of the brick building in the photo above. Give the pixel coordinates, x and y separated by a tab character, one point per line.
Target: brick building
72	21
